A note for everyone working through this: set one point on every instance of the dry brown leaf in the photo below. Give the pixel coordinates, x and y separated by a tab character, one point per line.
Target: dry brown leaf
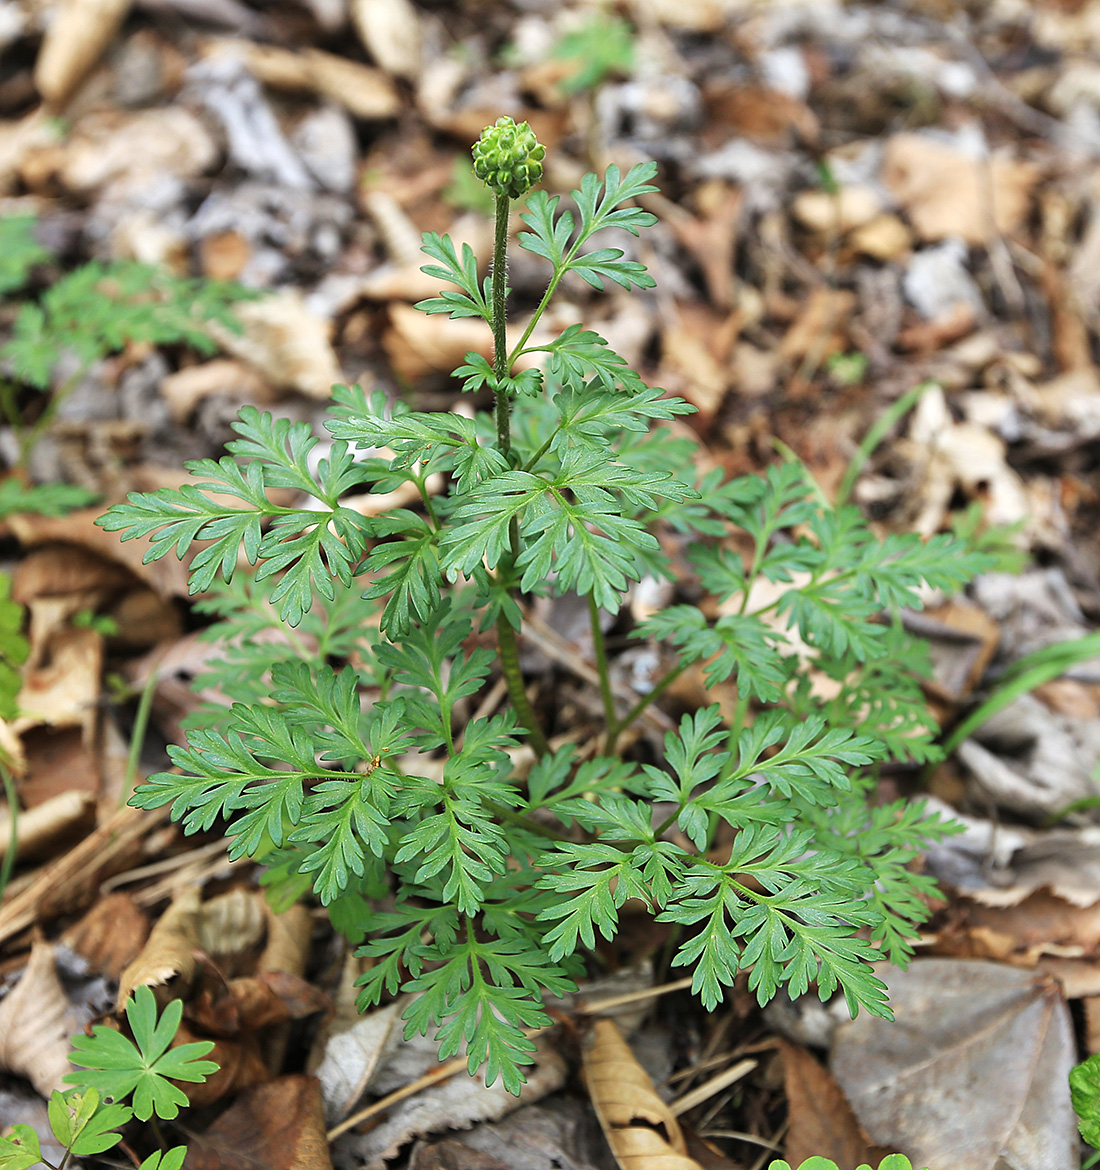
232	923
820	1118
128	152
884	238
167	962
390	29
640	1128
364	92
75	38
287	342
949	193
64	692
819	328
289	938
110	936
279	1126
418	344
973	1073
53	570
35	1024
853	206
168	576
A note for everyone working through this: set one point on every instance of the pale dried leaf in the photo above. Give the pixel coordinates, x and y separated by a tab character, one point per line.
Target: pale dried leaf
973	1073
352	1057
35	1024
232	923
390	29
110	935
74	40
640	1128
287	342
947	192
289	938
456	1103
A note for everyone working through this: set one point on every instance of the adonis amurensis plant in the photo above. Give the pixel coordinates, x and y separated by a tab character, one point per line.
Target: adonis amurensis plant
349	761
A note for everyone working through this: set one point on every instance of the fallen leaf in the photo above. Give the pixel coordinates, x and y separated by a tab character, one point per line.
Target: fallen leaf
820	1119
186	388
75	38
279	1126
390	29
110	936
947	192
456	1103
353	1056
232	923
286	342
640	1128
417	344
35	1024
167	961
972	1074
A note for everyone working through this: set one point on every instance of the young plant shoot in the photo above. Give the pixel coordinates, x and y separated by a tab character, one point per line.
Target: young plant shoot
352	760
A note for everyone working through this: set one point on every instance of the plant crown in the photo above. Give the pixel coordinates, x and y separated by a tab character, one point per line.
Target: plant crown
356	758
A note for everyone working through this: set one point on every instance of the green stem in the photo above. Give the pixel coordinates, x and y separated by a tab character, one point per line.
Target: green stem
620	725
508	649
137	734
8	864
501	361
506	635
602	665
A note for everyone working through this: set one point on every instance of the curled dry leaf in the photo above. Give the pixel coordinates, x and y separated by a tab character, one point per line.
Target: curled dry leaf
35	1024
75	39
640	1128
289	937
169	955
352	1057
232	923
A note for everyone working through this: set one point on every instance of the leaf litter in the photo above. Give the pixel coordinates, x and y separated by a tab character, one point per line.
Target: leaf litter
860	197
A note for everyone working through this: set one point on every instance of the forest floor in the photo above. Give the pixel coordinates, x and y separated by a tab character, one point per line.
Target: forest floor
878	249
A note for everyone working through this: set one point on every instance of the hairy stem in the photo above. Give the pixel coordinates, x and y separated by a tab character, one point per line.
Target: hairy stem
506	635
501	361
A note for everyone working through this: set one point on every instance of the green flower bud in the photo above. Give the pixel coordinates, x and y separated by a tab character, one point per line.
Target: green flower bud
508	158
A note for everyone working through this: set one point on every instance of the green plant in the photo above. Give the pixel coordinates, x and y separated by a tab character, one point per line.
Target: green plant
87	314
497	885
1084	1087
596	50
85	1120
890	1162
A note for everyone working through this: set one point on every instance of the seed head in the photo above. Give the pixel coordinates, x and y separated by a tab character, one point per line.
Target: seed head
508	158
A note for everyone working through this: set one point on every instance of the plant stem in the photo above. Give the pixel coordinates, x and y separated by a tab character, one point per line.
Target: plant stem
501	361
601	665
8	864
659	688
509	661
506	635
